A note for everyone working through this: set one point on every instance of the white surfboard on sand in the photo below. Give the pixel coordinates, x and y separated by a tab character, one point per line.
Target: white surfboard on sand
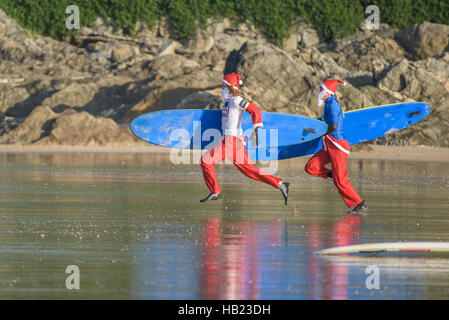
387	247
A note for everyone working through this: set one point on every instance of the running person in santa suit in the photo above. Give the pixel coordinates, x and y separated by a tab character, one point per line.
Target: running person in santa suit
232	145
335	148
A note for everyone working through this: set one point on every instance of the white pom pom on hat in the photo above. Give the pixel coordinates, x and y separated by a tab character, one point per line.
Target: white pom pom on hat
233	79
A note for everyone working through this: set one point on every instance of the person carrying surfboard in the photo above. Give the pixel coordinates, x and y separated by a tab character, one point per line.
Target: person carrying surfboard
335	148
232	145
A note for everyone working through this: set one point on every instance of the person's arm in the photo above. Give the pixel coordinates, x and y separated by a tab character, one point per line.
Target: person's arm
256	117
333	110
331	127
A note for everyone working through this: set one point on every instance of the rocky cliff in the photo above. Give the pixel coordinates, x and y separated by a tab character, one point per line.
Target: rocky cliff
86	90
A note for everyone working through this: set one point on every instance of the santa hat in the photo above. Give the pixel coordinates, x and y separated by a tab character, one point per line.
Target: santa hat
233	79
330	86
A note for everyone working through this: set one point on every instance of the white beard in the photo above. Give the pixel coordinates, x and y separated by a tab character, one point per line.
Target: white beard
225	94
320	96
320	103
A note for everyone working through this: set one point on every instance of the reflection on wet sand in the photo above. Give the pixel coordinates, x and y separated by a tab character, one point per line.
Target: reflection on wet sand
230	261
135	226
233	265
346	231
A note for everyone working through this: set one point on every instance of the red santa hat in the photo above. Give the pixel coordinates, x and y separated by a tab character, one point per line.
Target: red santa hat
330	86
233	79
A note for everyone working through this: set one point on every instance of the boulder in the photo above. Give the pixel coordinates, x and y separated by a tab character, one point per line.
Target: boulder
10	97
168	47
74	95
20	100
228	43
170	66
309	38
98	26
302	37
10	29
199	44
124	52
413	82
367	51
273	79
185	87
100	50
214	59
201	100
34	127
378	96
323	63
424	40
84	129
439	68
164	28
229	36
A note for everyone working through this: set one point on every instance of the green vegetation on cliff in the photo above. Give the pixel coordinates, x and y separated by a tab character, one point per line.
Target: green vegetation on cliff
332	18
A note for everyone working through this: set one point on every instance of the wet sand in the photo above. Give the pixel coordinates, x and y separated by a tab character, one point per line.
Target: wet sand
407	153
133	225
368	152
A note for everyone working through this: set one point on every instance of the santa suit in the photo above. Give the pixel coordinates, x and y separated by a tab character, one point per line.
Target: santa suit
232	145
335	150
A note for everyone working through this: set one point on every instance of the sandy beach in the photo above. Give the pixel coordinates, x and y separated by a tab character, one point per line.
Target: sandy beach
376	152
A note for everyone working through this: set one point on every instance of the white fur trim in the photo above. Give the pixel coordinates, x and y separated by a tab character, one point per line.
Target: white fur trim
225	82
338	146
257	125
326	89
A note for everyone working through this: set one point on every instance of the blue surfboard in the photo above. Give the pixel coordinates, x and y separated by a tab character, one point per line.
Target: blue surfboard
359	126
201	129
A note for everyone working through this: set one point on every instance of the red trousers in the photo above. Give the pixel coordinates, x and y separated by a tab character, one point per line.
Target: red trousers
336	152
232	148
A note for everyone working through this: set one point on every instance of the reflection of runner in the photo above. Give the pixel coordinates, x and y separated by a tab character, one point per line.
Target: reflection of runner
346	232
330	279
335	149
232	145
229	266
211	258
